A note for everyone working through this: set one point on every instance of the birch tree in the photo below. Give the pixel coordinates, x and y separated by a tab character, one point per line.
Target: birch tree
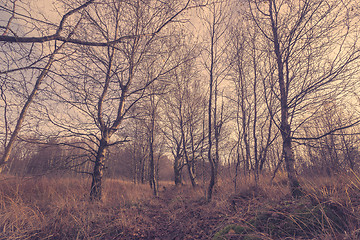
183	111
215	19
254	127
99	86
19	61
313	48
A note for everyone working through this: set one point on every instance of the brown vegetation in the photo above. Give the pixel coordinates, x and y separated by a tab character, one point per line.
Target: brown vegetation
52	208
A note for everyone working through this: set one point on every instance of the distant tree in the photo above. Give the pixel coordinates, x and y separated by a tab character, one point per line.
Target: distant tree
253	121
183	110
151	123
336	152
215	18
139	150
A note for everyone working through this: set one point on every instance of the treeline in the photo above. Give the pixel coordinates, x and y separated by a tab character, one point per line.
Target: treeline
57	159
208	88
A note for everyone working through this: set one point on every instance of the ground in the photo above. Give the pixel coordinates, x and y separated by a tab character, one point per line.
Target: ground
58	208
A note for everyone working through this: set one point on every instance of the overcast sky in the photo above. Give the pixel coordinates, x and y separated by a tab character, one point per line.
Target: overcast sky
39	9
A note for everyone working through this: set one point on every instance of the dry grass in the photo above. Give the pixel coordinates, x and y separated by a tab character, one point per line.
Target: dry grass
52	208
59	208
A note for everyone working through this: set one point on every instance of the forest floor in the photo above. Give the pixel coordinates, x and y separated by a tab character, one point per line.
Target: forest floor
58	208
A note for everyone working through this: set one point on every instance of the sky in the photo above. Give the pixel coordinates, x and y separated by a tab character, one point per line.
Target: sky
39	9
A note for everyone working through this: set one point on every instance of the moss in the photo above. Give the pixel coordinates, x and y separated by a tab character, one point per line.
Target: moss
300	219
333	216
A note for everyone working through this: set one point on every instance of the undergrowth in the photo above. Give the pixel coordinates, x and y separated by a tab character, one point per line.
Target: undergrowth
54	208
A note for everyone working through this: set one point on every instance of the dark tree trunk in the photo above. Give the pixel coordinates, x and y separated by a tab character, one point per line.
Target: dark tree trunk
290	163
96	185
153	180
152	175
142	173
177	171
191	174
212	180
188	163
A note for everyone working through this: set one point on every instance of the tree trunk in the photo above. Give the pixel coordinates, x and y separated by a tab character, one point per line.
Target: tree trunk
210	126
177	171
212	179
285	127
96	185
188	163
142	173
152	176
191	174
290	162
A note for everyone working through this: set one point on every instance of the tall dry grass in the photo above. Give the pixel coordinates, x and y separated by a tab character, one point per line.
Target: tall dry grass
59	208
54	208
328	209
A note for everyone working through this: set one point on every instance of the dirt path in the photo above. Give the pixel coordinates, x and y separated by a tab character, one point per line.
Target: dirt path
180	215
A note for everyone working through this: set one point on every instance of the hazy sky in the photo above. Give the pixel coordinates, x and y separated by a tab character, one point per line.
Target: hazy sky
39	9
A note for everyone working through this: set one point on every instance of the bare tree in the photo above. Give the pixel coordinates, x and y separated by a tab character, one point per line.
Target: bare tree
139	150
23	70
254	126
151	121
183	108
215	18
101	85
336	152
312	50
